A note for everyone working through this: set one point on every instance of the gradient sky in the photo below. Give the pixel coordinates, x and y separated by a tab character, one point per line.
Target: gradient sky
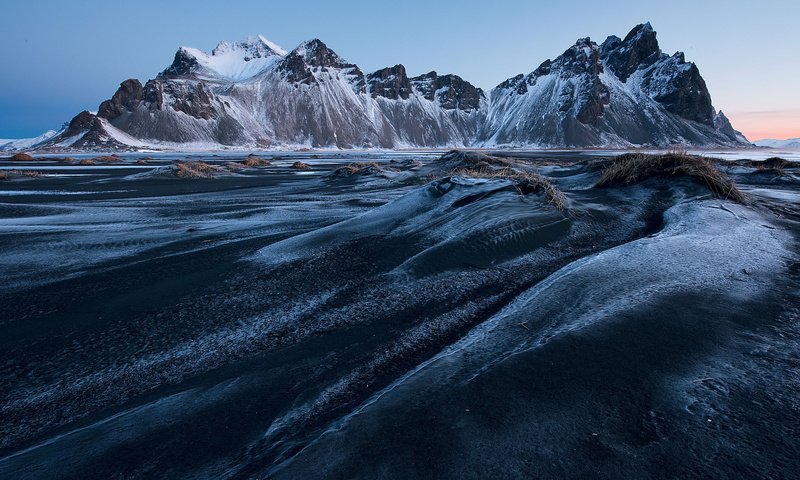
59	58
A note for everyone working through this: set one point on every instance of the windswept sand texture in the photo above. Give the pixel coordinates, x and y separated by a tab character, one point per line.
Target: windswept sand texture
398	315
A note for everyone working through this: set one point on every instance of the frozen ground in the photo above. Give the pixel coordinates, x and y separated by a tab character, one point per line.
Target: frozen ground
395	323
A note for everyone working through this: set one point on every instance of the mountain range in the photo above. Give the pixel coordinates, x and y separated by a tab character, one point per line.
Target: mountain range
253	94
789	143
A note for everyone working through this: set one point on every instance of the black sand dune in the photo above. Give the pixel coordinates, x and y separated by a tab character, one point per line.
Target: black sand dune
398	316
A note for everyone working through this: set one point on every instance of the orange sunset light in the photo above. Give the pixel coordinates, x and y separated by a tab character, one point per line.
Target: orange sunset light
777	124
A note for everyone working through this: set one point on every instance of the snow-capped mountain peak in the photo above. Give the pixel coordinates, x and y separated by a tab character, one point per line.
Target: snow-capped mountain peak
232	62
254	46
316	54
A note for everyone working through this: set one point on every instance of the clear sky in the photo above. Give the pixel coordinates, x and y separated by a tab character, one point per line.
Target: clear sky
58	58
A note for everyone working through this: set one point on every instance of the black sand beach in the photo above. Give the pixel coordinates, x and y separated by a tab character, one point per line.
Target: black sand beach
400	317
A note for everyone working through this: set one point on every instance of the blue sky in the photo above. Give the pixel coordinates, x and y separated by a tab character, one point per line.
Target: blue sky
59	58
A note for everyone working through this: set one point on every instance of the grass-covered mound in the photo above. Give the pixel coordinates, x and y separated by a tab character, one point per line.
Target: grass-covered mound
635	167
478	165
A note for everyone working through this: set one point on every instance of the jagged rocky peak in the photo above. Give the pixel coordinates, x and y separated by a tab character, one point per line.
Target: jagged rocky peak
299	65
722	124
639	49
679	87
581	58
389	82
126	98
451	91
184	63
80	123
315	53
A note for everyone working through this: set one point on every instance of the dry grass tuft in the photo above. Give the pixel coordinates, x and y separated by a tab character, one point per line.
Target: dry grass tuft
3	175
21	173
21	157
190	169
359	168
478	165
254	161
635	167
526	182
87	162
471	160
775	165
301	166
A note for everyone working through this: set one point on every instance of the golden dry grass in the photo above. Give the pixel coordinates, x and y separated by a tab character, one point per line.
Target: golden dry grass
301	166
190	169
254	161
635	167
19	173
21	157
360	168
526	182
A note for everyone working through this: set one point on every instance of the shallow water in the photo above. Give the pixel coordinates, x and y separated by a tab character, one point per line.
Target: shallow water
276	323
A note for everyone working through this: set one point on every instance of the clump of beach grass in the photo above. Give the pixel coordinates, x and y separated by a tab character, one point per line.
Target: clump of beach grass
635	167
194	169
301	166
526	182
255	161
9	174
360	168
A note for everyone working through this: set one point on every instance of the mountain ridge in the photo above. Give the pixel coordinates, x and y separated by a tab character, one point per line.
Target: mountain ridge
253	94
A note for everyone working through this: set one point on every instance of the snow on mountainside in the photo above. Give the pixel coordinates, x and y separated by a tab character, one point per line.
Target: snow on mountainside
620	93
253	94
789	143
19	144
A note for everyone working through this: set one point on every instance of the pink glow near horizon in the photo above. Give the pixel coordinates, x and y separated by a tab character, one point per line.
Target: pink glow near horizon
778	124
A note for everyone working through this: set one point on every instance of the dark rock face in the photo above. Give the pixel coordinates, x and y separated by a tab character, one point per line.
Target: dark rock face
583	58
296	70
127	98
192	100
390	82
680	88
154	94
183	64
639	49
723	125
516	84
586	95
451	91
94	133
316	54
79	123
